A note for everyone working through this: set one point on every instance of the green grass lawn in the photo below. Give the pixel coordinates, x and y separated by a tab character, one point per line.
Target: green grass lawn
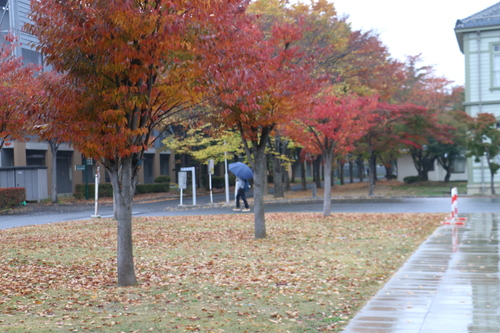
203	273
429	188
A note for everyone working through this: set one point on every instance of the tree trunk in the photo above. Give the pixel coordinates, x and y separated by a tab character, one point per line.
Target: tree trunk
341	172
123	181
303	169
258	189
492	183
446	163
277	169
265	188
372	173
54	147
361	168
423	161
327	196
286	179
351	170
317	171
447	176
388	171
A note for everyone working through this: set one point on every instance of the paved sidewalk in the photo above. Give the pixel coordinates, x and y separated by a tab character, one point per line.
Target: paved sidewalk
450	284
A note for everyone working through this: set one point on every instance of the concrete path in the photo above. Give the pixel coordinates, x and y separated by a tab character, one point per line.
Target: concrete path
450	284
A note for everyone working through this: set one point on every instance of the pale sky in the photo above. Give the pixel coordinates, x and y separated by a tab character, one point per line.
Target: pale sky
414	27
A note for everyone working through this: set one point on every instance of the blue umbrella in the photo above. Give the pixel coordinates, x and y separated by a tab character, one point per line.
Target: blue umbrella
241	170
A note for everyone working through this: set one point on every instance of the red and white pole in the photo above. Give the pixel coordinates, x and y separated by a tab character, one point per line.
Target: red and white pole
454	219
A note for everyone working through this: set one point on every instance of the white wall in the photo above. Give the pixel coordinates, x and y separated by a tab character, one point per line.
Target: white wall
407	168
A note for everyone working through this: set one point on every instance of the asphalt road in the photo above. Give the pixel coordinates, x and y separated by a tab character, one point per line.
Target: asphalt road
203	206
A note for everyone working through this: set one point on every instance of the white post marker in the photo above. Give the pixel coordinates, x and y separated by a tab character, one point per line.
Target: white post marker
226	177
96	185
182	182
210	173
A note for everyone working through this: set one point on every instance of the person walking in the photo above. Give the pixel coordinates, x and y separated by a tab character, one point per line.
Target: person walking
240	194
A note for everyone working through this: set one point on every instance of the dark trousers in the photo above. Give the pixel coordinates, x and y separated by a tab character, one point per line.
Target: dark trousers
241	194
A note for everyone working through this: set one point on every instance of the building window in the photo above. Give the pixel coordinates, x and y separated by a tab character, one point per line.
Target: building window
35	157
31	57
164	164
496	65
458	165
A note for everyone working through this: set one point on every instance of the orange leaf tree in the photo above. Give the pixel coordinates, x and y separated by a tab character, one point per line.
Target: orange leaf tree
264	83
130	65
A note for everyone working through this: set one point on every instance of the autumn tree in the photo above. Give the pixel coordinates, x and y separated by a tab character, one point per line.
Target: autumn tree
331	128
16	90
421	132
44	120
438	130
484	141
202	143
350	61
264	83
447	153
129	66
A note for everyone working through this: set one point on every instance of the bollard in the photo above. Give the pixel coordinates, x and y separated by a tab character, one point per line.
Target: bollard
454	219
314	190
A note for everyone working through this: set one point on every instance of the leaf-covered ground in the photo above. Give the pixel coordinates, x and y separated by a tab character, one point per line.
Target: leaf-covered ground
203	273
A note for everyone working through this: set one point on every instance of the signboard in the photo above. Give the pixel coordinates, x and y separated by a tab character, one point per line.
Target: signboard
182	180
210	166
80	167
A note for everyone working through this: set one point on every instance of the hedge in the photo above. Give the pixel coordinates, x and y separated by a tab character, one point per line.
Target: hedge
152	188
162	179
106	190
412	179
220	182
12	196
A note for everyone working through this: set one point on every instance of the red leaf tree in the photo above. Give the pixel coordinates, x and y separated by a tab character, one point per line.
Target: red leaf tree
46	120
130	66
331	128
483	142
15	91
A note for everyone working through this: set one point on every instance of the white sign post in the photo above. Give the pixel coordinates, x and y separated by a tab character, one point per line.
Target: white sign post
192	169
96	183
182	182
226	177
210	173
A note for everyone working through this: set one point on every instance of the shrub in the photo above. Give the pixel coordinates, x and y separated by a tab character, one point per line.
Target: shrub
152	188
220	182
12	196
105	191
162	179
412	179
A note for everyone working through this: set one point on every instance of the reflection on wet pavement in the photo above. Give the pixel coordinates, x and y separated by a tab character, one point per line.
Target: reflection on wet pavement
450	284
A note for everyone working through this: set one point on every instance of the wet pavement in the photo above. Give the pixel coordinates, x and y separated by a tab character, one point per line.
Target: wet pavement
170	207
450	284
